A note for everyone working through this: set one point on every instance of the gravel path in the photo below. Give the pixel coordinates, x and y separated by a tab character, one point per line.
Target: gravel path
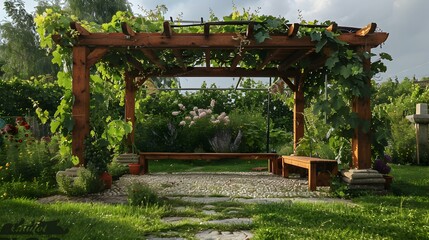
231	184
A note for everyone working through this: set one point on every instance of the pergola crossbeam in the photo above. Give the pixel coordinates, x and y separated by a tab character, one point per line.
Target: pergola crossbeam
153	58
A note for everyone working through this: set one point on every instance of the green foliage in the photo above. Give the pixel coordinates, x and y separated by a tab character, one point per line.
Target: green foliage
97	154
22	189
140	194
17	96
96	10
86	182
117	169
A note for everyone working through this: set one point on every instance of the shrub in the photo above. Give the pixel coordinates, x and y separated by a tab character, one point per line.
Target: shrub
140	194
117	170
85	182
17	189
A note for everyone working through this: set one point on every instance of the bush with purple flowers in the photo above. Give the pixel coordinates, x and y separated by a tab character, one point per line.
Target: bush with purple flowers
382	164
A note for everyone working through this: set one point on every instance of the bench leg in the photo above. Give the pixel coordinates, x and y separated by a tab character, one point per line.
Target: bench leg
285	170
144	163
312	177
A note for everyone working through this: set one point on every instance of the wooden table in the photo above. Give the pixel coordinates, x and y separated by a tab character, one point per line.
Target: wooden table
319	170
145	156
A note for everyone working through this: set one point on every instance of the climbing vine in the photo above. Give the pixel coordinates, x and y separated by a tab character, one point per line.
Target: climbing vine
343	67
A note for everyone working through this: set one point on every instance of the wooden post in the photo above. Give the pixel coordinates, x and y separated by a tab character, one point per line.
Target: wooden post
80	111
298	113
130	105
361	141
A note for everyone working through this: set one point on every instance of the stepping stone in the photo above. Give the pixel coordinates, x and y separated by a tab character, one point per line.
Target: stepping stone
165	238
224	235
206	200
209	212
261	200
231	221
180	219
209	207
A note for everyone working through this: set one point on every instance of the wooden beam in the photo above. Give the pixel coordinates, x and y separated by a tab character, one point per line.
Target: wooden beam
361	141
298	113
289	84
96	55
178	54
81	30
293	30
294	58
153	58
220	72
208	56
221	40
271	54
368	29
80	109
127	30
167	29
236	60
130	103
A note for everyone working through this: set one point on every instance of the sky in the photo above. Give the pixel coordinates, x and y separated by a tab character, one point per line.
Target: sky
404	20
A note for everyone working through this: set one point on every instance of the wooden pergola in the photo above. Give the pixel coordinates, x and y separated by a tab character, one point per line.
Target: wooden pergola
281	53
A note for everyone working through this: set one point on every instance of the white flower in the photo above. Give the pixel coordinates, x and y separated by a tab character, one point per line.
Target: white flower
181	106
193	113
209	111
188	118
212	103
216	121
196	117
200	111
192	123
203	114
195	109
182	123
175	113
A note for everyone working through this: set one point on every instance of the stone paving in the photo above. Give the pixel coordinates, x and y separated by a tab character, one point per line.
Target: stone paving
209	188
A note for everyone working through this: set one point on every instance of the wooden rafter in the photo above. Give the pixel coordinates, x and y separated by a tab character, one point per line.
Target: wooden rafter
127	30
208	57
333	27
167	29
237	58
206	30
153	58
96	55
368	29
81	30
250	30
293	58
293	30
289	83
178	54
268	58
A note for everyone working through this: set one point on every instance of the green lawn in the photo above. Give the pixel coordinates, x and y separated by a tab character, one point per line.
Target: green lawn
222	165
402	215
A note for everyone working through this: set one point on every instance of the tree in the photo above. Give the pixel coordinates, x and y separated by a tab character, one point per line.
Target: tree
20	54
99	11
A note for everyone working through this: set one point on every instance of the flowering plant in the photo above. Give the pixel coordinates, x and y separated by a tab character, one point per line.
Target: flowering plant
200	113
382	164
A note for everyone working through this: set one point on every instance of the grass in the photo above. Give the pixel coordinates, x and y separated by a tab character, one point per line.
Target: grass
401	215
222	165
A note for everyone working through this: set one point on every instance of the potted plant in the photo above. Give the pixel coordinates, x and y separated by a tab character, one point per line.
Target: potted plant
97	156
381	164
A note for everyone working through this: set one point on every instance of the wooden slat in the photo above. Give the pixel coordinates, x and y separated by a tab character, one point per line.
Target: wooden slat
80	109
96	55
77	27
127	30
207	56
236	60
293	30
153	58
289	83
178	54
167	29
271	54
368	29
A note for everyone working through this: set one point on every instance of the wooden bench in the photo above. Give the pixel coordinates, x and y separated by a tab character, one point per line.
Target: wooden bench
145	156
319	170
